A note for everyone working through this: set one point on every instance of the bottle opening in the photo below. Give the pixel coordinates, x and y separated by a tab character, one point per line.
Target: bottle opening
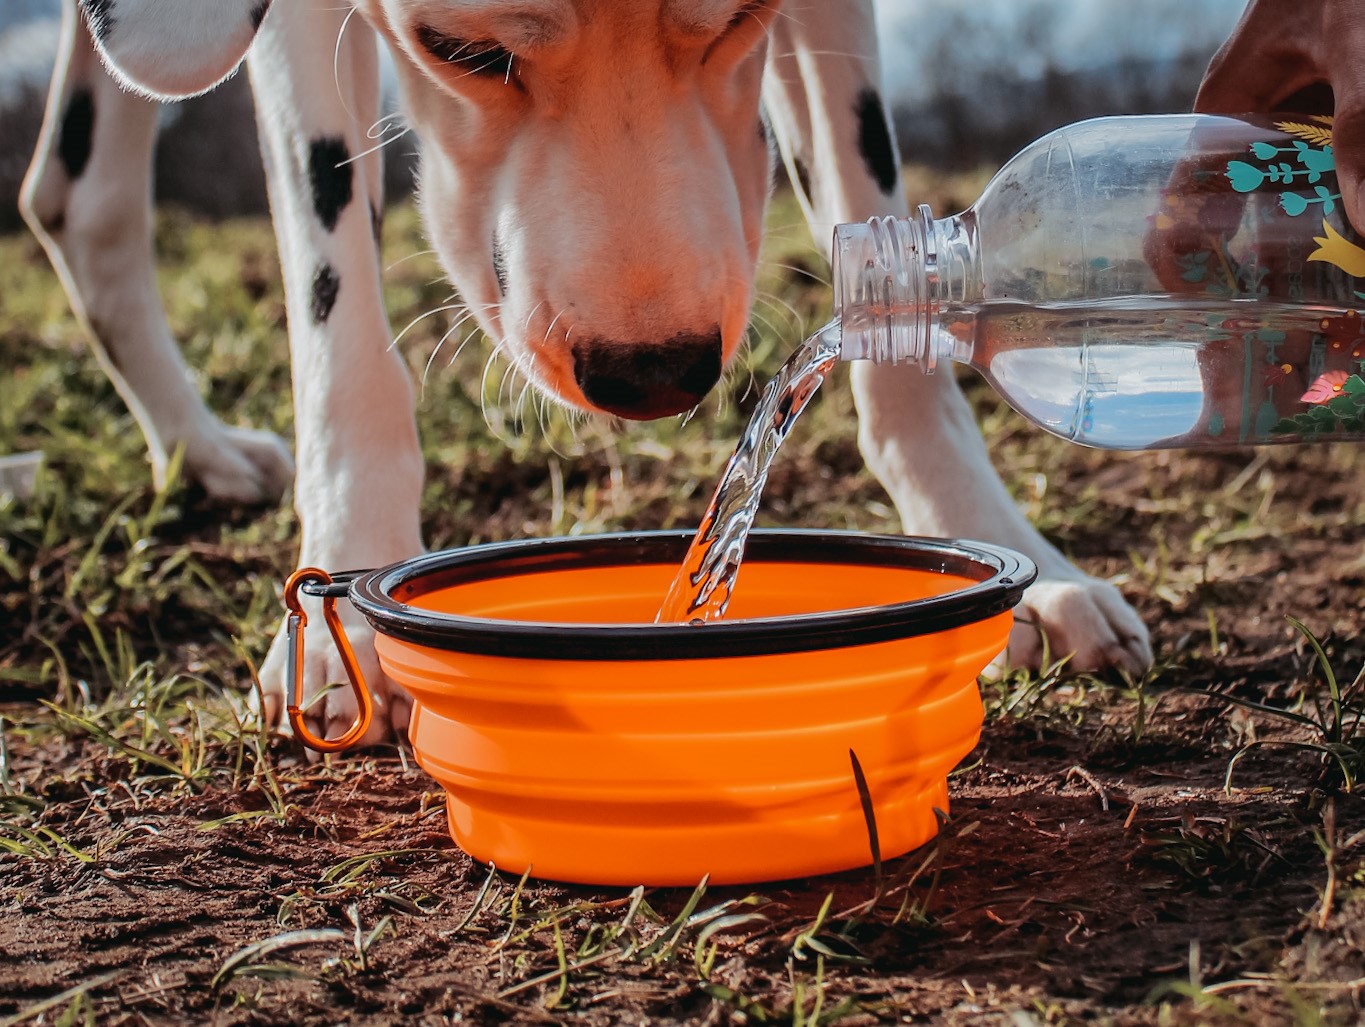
886	289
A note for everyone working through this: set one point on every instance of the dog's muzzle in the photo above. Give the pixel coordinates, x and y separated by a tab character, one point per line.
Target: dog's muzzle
645	380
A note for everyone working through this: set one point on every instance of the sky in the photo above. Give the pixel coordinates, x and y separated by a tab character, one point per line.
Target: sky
1026	35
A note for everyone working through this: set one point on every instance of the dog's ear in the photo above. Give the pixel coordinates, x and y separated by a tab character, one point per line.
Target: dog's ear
170	49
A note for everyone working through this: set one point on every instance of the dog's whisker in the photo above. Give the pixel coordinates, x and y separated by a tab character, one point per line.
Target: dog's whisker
422	317
410	256
336	63
426	371
766	298
377	147
518	371
533	398
540	403
509	58
821	53
507	373
795	230
798	269
546	410
377	130
798	320
464	341
527	327
754	315
546	341
519	408
498	351
750	386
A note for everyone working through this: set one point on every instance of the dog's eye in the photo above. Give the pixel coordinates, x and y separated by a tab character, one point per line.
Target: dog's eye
750	12
745	28
480	58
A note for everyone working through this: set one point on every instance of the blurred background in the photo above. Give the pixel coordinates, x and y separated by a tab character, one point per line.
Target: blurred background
969	82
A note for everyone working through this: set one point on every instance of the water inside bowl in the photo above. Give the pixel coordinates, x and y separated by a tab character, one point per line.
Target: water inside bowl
630	594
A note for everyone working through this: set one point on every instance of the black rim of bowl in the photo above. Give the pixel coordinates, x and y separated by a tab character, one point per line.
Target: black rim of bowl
383	596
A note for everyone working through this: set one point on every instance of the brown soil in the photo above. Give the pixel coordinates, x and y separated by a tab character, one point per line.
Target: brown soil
1094	868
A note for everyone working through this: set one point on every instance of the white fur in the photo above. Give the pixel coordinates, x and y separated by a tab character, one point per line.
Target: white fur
171	49
621	171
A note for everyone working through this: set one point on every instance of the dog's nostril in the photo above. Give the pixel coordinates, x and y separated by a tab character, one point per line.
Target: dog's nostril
644	380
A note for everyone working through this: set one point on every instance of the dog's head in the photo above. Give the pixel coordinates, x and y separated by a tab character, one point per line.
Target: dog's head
594	175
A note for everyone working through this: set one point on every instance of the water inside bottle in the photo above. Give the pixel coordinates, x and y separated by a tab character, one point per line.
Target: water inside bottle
1142	372
702	588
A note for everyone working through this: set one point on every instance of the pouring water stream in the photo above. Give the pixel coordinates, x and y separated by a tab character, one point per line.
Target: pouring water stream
704	583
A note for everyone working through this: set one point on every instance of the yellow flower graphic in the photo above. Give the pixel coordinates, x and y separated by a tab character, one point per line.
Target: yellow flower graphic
1333	248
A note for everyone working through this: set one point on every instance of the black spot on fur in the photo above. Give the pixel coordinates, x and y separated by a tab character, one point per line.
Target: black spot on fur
500	266
874	141
326	285
803	178
258	14
377	224
100	15
77	133
329	173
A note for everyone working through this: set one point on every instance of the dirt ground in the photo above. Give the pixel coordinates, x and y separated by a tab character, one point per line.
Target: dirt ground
160	864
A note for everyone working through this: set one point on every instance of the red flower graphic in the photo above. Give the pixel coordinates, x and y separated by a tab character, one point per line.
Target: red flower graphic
1328	386
1276	373
1342	331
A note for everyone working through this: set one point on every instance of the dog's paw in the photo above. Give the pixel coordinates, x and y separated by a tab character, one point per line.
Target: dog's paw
1082	618
329	705
240	466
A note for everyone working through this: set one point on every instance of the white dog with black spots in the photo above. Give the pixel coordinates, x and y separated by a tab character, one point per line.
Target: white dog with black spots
594	175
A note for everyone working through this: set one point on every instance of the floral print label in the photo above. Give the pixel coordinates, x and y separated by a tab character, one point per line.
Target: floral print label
1301	169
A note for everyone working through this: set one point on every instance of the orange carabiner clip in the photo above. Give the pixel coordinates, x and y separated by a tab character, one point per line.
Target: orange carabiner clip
294	625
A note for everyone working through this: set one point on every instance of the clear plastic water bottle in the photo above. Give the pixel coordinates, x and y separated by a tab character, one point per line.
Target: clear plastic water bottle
1135	283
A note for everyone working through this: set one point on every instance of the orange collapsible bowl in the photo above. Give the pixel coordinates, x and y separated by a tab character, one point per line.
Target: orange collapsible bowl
577	739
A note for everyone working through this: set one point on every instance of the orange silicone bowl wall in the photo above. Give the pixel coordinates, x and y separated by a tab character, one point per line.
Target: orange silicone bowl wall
664	767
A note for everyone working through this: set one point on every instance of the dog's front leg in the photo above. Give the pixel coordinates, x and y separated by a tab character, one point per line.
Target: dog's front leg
87	197
823	95
359	478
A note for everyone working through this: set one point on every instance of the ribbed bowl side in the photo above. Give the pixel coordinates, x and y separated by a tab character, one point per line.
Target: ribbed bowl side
658	772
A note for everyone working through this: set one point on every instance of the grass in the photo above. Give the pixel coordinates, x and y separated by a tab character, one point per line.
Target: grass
1335	720
138	787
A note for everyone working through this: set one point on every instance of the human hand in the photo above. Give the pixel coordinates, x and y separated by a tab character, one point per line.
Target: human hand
1305	56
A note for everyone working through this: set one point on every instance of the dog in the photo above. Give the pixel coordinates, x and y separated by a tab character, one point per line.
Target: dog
594	175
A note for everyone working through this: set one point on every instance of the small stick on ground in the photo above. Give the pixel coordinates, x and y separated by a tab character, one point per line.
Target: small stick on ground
1088	778
1328	843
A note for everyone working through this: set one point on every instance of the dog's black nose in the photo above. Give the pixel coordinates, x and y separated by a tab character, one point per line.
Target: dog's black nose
644	380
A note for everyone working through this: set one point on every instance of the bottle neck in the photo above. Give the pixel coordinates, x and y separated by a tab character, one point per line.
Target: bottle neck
893	280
